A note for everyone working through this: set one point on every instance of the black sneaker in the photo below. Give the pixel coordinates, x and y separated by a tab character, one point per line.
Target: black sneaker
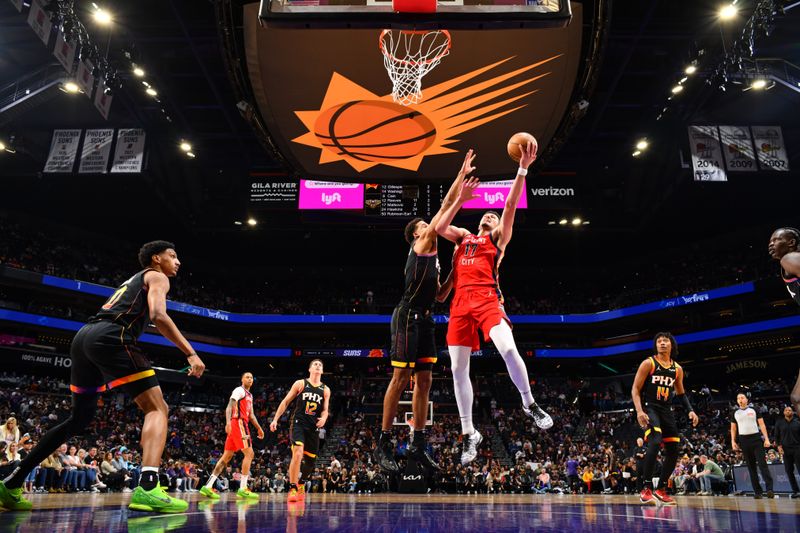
541	418
757	496
770	494
384	457
420	455
795	495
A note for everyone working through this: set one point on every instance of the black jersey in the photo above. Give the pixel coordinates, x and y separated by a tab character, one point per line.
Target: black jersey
792	285
659	387
127	306
308	405
422	280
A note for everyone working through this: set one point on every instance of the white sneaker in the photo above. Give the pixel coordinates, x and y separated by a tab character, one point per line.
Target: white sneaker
541	418
99	485
470	447
94	489
127	489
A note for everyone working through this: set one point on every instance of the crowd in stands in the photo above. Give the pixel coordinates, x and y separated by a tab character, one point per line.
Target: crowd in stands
373	290
588	451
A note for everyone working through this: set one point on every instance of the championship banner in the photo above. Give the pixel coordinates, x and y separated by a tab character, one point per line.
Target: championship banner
737	145
85	78
102	101
65	53
129	155
40	21
17	4
63	151
706	154
770	148
96	151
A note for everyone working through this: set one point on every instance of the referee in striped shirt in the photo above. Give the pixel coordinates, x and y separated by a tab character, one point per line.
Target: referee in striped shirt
746	425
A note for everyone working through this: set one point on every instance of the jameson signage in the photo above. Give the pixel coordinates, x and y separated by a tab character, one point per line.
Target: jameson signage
747	364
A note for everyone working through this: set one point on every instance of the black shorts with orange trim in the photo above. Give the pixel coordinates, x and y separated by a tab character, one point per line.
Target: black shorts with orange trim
413	339
307	437
662	424
104	357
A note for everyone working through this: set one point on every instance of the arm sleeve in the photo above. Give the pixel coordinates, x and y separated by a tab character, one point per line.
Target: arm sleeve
237	394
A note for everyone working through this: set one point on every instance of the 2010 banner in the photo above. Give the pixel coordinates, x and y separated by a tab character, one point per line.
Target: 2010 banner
95	152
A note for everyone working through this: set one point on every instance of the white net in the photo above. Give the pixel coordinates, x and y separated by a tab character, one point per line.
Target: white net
408	56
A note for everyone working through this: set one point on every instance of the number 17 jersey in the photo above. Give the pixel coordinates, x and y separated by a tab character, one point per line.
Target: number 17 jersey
308	406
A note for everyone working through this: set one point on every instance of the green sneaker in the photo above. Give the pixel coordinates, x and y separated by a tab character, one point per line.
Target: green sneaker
247	494
211	493
12	500
156	500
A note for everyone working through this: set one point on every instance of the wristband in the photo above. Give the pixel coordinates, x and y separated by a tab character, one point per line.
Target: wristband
685	400
522	171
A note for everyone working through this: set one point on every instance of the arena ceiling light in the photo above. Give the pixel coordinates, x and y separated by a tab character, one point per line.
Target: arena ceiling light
151	91
691	69
2	146
677	89
185	146
637	153
137	71
70	87
251	221
576	221
642	144
758	84
102	16
563	222
728	12
190	155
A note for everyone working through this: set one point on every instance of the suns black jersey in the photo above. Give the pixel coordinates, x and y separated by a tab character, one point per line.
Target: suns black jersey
792	285
309	403
659	387
127	306
422	280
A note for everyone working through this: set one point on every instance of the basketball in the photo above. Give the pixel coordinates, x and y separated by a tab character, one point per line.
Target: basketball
517	141
373	130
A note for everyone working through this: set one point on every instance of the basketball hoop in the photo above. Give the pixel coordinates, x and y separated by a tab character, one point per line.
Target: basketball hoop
408	56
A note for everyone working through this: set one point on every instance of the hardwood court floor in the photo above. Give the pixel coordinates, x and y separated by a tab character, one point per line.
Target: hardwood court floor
402	512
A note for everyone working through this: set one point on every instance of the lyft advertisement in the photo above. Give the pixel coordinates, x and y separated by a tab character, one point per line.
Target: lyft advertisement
331	195
493	195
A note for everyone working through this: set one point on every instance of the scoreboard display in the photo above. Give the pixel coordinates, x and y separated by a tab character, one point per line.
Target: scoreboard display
405	201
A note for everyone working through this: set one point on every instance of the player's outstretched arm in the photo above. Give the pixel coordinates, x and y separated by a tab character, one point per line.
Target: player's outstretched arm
442	226
502	234
791	263
157	289
323	416
452	194
636	393
297	388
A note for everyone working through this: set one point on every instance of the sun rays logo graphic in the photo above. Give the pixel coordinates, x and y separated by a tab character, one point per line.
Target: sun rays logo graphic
364	129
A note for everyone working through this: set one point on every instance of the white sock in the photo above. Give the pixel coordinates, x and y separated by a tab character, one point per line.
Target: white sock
211	481
503	340
459	364
243	483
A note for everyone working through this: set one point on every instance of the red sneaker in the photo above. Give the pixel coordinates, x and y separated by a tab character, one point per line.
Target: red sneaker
647	498
301	493
293	497
664	498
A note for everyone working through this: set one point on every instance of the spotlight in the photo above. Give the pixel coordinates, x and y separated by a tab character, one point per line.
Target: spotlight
585	223
562	222
71	87
101	16
691	69
683	79
251	221
186	147
637	153
551	223
151	91
191	155
138	72
758	84
642	145
576	221
145	83
237	222
677	89
2	147
728	12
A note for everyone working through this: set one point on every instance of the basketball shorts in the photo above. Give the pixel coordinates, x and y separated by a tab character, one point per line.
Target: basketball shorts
239	437
662	423
413	339
306	435
104	358
473	310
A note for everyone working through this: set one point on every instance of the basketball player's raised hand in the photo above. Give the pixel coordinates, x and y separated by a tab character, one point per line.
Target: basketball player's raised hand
643	419
528	155
466	167
196	366
694	418
468	190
